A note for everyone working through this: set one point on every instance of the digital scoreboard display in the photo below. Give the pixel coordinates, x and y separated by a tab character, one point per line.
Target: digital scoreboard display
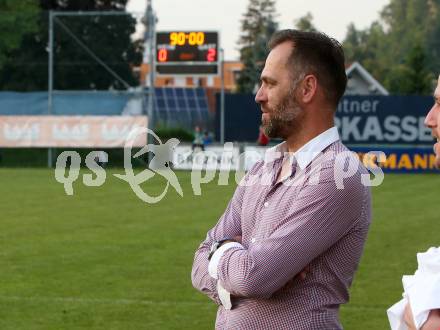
187	52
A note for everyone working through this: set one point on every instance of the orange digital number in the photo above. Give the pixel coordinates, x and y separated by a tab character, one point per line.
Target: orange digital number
200	38
173	38
162	56
192	39
181	39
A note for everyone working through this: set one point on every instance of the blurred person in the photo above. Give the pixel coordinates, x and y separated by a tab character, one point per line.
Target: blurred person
432	121
207	139
198	139
270	233
103	158
420	307
262	140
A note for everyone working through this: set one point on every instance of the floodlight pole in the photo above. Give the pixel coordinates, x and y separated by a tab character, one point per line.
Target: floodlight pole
150	25
50	81
52	16
222	97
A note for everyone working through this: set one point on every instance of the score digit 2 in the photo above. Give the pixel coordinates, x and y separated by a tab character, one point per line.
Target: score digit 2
212	55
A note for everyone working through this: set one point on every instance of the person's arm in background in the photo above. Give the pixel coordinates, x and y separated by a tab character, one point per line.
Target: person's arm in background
432	323
229	226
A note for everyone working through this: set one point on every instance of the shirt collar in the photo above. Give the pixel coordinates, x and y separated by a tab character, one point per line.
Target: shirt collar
305	155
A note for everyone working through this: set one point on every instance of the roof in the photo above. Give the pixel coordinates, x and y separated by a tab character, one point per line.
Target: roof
355	66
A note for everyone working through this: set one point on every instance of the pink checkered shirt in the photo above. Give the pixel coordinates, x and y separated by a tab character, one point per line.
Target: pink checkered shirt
284	228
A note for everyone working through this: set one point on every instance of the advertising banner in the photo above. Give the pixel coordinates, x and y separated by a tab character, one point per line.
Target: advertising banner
384	120
397	160
70	131
400	160
213	158
361	120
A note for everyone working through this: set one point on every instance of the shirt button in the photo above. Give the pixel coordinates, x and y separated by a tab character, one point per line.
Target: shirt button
266	204
253	240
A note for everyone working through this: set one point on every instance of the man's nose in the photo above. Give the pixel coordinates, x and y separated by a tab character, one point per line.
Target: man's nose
260	96
430	120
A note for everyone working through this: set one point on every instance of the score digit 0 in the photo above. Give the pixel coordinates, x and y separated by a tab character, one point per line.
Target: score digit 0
192	40
162	55
200	38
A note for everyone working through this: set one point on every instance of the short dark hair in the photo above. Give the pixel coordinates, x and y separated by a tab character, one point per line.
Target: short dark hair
318	54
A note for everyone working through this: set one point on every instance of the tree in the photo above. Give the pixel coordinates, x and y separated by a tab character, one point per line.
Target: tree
18	18
108	37
401	49
258	25
354	43
305	23
412	77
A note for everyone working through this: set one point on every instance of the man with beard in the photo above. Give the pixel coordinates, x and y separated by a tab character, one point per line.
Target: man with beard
289	217
432	121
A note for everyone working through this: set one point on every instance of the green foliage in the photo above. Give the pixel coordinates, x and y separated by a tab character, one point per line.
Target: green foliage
258	24
412	77
108	37
17	19
166	133
402	48
305	23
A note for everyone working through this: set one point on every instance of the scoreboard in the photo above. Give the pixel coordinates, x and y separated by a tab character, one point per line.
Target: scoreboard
187	53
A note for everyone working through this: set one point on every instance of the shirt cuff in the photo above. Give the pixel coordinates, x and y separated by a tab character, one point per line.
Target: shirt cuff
224	296
215	259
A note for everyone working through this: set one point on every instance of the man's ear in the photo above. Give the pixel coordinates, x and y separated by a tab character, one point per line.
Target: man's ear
309	87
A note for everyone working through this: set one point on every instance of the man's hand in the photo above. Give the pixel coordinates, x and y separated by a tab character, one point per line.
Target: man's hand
408	318
298	277
303	274
237	239
432	323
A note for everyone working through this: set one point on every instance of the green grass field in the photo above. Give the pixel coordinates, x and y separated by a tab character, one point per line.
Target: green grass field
103	259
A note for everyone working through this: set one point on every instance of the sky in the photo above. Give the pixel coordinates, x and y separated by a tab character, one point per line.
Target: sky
331	17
